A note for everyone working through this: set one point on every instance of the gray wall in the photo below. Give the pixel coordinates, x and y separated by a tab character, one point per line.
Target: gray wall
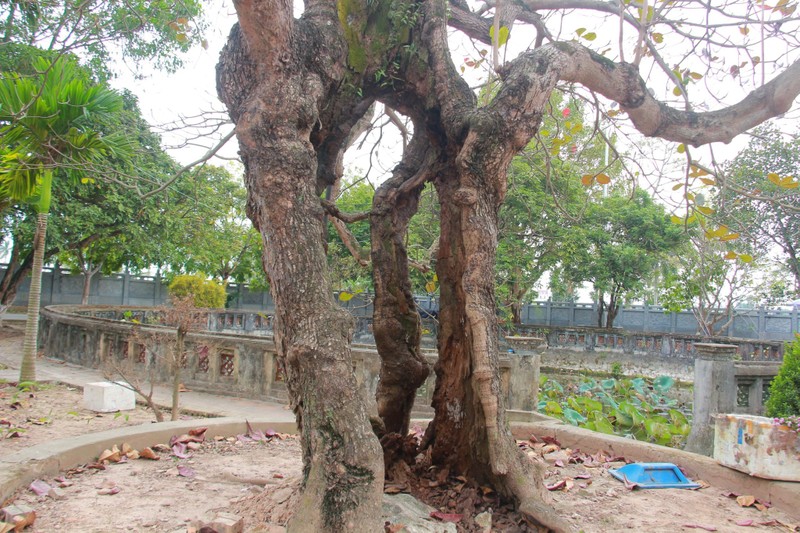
131	290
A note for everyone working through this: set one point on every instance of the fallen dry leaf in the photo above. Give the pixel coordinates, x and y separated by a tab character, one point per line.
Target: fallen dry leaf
39	487
108	491
745	500
126	448
549	449
548	439
700	526
744	523
148	453
447	517
630	485
557	485
110	456
394	489
185	471
179	450
198	432
392	528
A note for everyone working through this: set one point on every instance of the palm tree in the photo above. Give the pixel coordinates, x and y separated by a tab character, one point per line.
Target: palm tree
49	129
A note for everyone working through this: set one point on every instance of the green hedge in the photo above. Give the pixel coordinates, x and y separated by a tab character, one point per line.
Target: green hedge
784	392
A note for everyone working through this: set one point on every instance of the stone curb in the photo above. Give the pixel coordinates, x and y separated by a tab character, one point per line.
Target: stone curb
48	459
784	495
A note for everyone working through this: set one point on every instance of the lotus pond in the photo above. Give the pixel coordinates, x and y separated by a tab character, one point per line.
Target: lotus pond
637	408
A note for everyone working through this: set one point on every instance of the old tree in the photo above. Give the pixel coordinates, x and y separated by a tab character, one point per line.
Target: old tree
297	89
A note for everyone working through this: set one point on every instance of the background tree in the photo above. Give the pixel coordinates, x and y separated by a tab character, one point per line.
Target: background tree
546	199
46	133
709	279
759	199
95	29
621	240
105	219
207	231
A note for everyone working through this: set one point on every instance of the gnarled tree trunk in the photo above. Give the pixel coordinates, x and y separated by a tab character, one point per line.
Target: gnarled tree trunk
396	322
279	81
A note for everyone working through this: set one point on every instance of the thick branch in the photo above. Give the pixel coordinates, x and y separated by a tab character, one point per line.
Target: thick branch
621	82
271	40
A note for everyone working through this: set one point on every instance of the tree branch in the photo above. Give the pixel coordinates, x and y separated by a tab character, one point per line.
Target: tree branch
348	218
621	82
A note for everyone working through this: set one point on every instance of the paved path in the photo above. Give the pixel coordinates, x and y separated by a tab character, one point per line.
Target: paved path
78	376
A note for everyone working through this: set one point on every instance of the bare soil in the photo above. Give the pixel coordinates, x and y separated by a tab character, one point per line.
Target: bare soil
258	478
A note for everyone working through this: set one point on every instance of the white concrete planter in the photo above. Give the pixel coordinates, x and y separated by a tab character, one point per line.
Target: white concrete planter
753	444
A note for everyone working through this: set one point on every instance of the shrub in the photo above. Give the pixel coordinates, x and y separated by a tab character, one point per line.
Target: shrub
206	293
784	392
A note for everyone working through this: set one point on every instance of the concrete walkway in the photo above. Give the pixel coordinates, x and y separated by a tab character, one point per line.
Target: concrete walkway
78	376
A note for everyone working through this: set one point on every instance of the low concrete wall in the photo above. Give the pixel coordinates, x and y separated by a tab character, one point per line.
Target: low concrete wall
228	363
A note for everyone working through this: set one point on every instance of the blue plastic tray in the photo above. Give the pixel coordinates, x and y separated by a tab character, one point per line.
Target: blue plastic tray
654	476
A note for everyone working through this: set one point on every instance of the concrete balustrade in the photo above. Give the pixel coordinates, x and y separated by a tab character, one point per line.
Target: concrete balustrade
234	364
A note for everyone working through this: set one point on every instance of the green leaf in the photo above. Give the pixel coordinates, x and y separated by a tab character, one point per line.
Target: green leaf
622	419
573	417
591	36
608	384
746	258
345	296
553	408
504	34
602	424
663	384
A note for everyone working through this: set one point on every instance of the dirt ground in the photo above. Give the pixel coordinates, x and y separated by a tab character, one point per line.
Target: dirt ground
256	477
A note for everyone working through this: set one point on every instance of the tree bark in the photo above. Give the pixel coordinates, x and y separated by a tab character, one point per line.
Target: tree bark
281	91
27	370
470	433
177	357
396	322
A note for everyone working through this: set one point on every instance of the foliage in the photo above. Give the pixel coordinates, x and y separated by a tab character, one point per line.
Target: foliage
95	29
637	408
784	392
621	241
706	279
760	204
49	123
206	293
205	229
346	271
544	202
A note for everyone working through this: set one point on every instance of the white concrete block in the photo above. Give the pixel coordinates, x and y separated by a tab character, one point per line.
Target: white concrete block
107	397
